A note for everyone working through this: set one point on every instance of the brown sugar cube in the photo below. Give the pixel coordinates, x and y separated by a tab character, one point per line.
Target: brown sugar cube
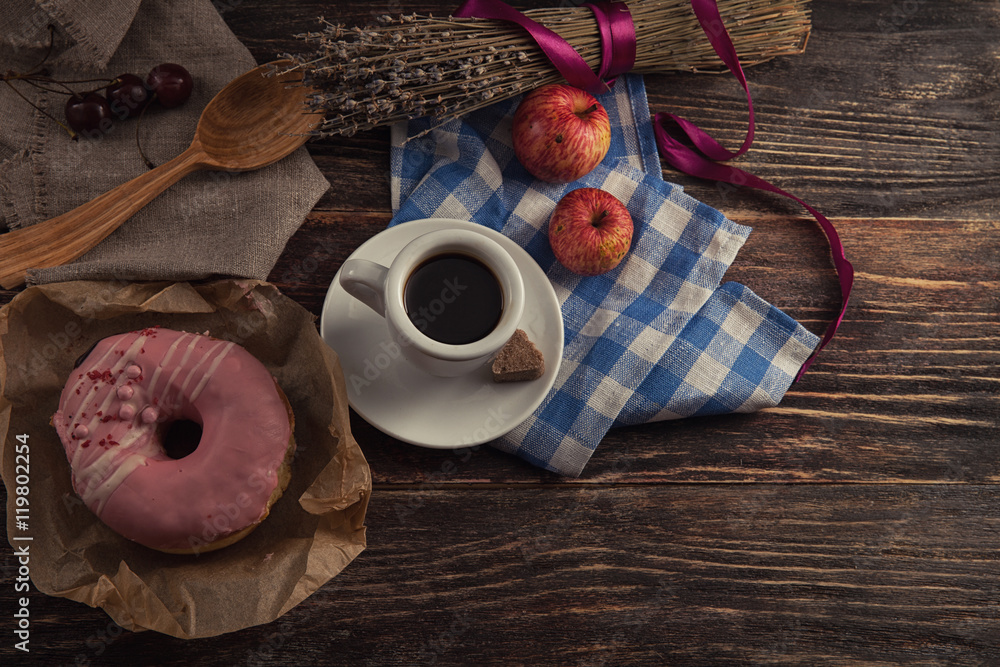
519	360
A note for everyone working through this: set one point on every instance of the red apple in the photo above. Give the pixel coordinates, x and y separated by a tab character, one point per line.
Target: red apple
590	231
560	133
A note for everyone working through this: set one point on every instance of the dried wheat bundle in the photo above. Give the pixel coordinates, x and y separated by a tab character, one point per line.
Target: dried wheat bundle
411	66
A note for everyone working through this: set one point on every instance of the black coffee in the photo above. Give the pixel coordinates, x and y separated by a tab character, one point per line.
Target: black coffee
453	298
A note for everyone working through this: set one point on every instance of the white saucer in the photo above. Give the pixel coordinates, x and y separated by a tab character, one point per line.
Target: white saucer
406	403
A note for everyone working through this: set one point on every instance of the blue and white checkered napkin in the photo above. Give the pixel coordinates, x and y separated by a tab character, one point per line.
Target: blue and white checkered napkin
657	337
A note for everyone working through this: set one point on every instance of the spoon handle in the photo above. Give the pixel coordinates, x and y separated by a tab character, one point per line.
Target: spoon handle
64	238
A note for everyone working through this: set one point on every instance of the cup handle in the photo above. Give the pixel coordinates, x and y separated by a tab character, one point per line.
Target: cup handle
365	281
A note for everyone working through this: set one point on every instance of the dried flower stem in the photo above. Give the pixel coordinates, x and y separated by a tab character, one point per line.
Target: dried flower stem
414	65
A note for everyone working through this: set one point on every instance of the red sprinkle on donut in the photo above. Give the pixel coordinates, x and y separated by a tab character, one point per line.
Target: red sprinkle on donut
104	376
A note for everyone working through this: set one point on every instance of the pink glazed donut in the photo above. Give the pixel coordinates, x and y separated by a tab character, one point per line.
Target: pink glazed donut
116	411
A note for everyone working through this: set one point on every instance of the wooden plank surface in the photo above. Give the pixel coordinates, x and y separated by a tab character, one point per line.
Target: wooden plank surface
856	523
831	575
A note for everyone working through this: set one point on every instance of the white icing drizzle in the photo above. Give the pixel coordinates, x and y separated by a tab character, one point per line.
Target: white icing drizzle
171	381
99	479
159	369
194	369
103	491
94	419
196	392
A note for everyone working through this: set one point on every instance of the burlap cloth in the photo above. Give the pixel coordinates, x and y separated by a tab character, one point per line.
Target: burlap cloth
211	223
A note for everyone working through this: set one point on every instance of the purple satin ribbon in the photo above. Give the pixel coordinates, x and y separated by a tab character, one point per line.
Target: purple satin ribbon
617	40
618	45
694	163
614	21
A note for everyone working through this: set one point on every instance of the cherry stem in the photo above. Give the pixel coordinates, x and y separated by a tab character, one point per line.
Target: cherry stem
46	79
48	51
34	82
65	90
106	82
138	123
38	81
72	134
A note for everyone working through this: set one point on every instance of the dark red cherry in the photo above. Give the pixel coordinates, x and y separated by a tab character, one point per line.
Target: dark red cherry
127	95
171	83
88	114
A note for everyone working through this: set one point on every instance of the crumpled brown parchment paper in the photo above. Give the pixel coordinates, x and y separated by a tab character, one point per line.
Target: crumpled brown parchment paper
313	531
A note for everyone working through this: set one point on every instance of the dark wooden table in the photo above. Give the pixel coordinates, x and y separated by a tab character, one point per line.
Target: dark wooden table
856	523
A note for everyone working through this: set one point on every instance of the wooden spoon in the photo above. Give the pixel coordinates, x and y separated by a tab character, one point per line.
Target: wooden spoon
254	121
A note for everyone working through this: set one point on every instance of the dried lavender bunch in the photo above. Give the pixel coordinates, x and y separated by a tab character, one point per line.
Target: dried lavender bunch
411	66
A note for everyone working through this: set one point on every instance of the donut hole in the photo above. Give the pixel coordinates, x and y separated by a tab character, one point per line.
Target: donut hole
181	438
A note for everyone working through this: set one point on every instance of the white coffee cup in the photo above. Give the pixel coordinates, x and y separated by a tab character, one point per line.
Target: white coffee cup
383	289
